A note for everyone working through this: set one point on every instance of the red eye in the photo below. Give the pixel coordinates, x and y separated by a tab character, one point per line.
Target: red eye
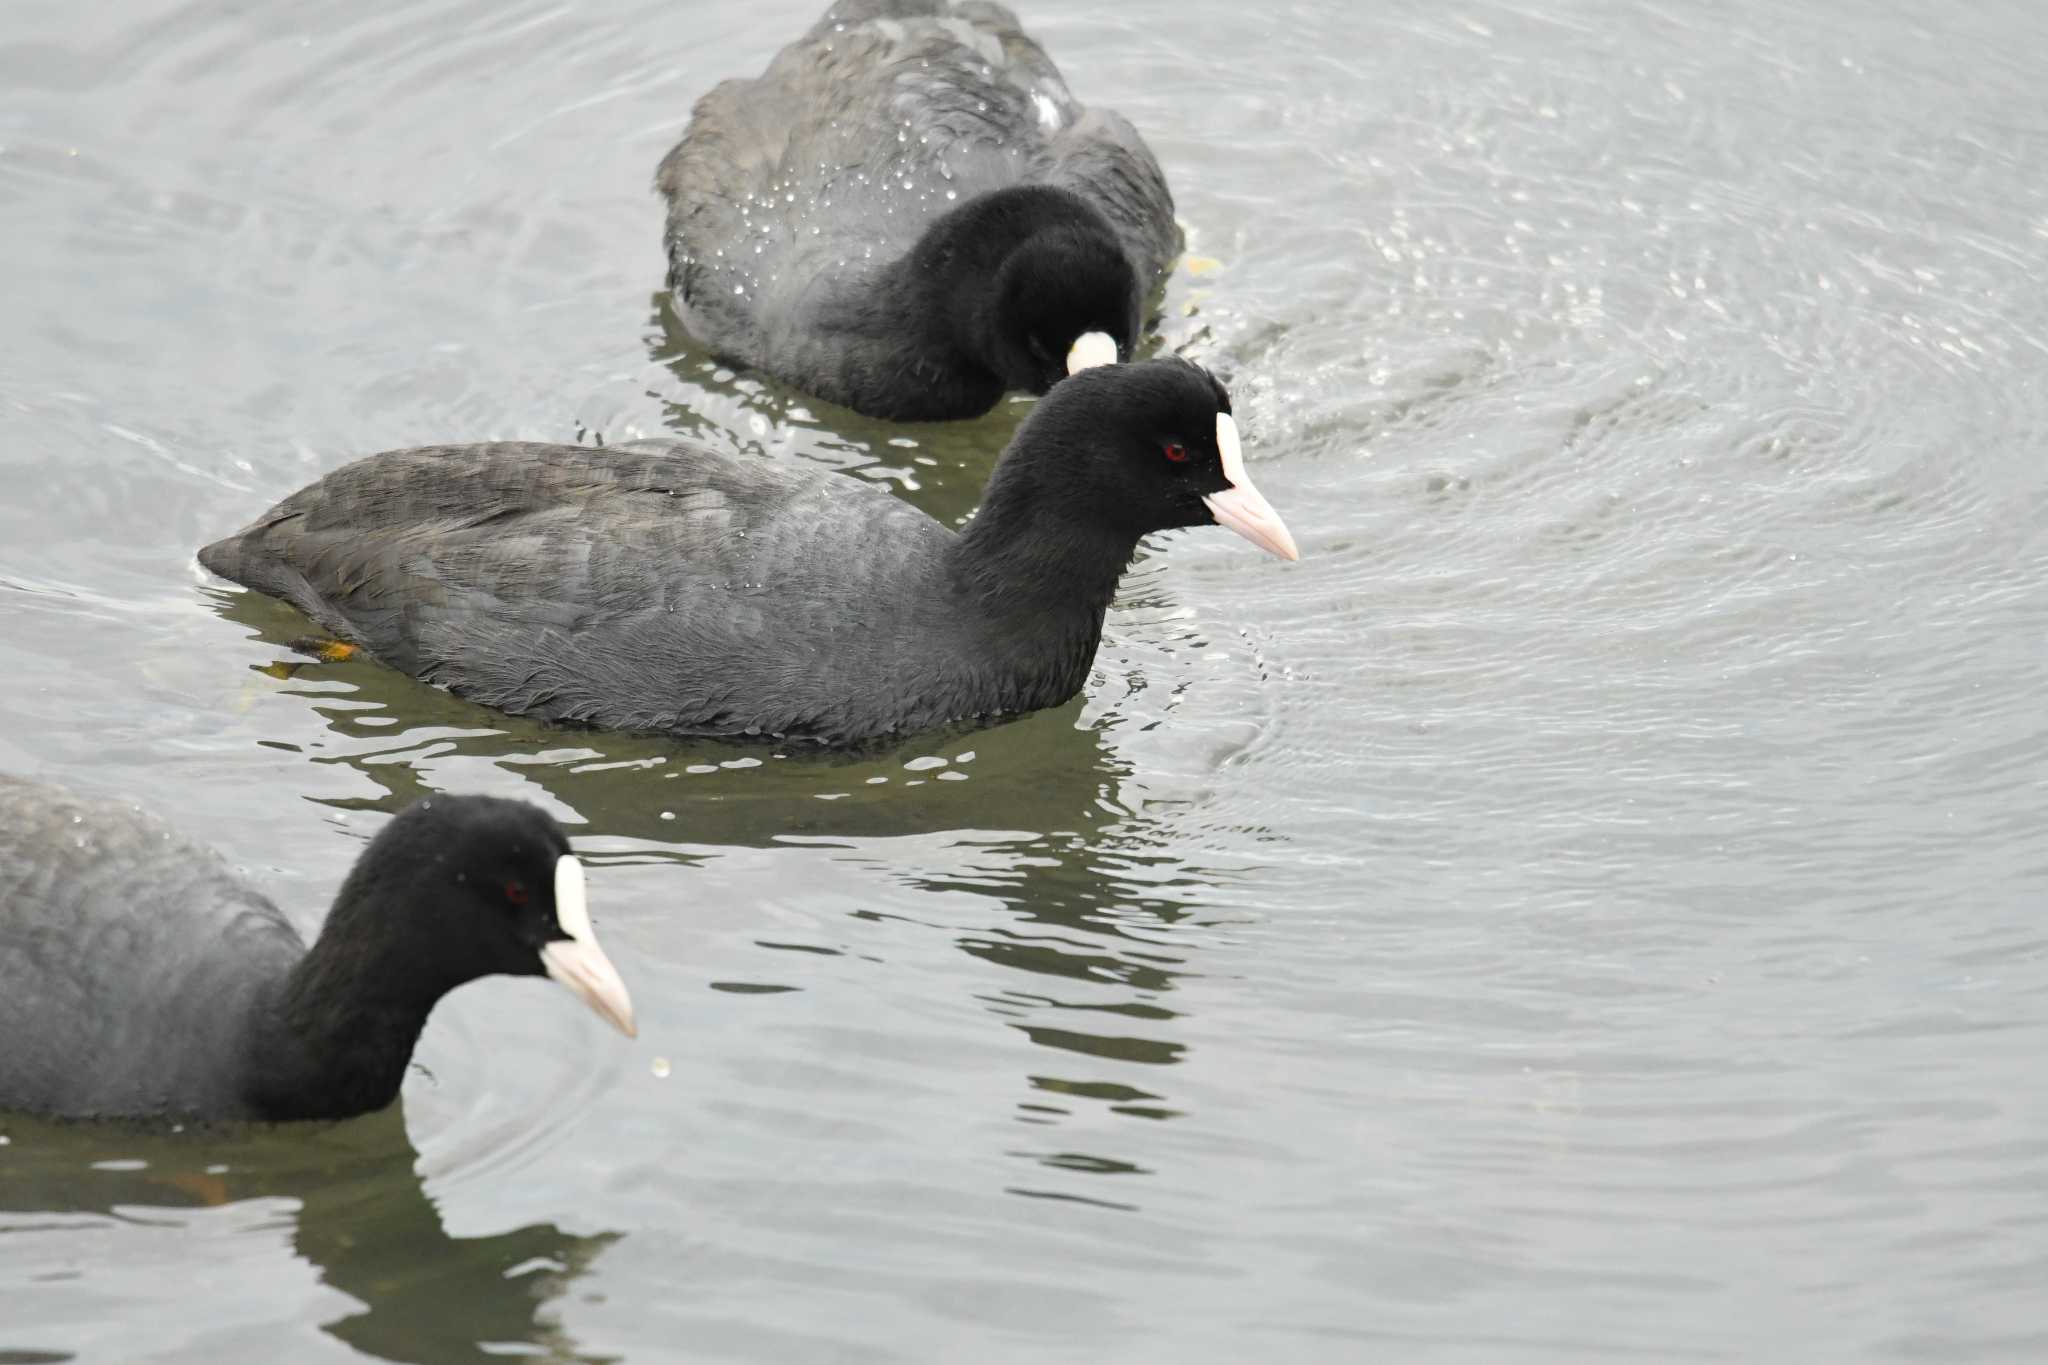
1176	452
515	892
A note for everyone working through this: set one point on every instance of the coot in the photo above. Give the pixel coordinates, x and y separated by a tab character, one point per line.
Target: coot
662	586
139	977
908	213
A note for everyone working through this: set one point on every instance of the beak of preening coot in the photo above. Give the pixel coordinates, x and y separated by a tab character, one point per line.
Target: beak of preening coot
1242	507
1089	350
576	961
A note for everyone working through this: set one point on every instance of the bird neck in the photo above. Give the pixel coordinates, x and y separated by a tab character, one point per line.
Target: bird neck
1035	567
344	1021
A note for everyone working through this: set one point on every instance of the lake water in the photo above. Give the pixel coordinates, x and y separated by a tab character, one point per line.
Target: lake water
1591	907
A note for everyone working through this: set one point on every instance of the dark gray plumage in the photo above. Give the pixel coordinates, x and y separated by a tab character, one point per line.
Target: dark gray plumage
139	977
909	213
665	587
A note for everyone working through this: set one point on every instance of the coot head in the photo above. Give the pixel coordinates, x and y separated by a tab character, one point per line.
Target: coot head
489	887
1065	300
1151	447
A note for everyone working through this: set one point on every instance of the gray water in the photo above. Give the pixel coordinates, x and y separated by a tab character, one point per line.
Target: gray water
1591	907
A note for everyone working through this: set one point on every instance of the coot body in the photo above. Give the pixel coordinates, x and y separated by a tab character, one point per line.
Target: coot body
662	586
908	213
140	977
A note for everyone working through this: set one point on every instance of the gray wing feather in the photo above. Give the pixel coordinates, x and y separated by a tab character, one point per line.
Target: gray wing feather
657	588
798	164
115	992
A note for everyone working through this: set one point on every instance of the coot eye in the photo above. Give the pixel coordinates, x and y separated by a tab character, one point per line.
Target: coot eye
1176	452
515	892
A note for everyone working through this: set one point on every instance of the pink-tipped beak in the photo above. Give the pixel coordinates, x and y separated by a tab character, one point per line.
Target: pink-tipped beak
576	962
590	977
1241	506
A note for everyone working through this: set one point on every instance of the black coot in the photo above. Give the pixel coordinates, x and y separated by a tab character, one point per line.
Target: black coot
139	977
661	586
908	213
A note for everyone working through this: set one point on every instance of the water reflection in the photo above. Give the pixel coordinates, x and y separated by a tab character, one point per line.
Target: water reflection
362	1220
940	467
394	730
1032	850
1103	965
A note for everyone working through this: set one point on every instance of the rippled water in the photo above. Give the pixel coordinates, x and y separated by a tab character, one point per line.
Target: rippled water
1591	906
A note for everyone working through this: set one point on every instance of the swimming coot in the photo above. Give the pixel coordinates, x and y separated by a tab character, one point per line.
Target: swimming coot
908	213
139	977
662	586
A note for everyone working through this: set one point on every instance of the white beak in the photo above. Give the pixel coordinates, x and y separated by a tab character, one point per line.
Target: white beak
1241	507
1091	349
577	962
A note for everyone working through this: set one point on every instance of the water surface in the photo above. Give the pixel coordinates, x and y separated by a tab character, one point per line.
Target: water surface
1590	907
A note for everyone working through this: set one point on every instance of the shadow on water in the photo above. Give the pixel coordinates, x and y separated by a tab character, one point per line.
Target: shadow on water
1039	772
940	467
363	1220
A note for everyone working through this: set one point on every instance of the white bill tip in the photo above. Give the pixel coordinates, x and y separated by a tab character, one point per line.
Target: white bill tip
1089	350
